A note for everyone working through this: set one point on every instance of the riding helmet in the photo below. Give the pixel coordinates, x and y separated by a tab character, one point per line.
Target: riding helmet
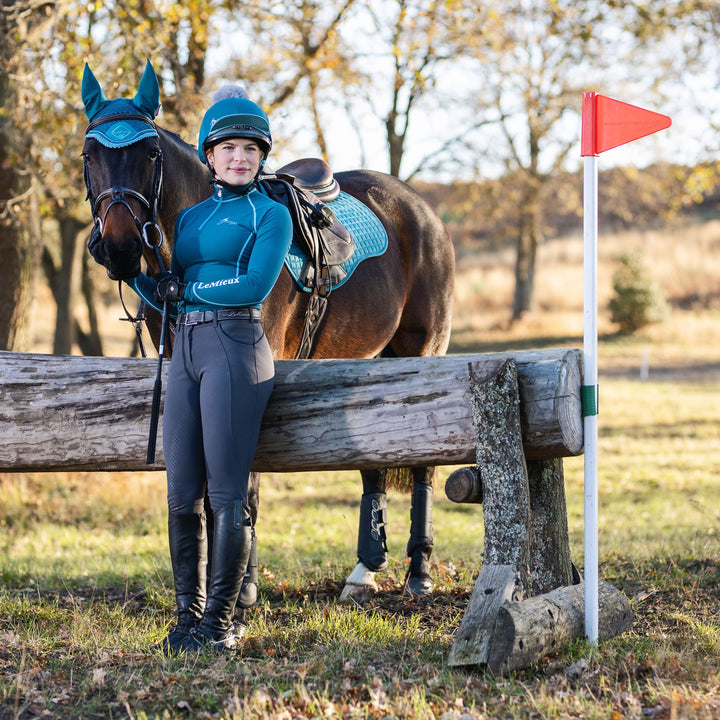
234	117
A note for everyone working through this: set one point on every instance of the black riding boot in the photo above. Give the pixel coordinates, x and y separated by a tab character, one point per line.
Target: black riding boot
231	548
372	543
249	589
420	545
188	554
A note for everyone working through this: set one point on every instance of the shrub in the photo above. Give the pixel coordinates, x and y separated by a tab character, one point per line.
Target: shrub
637	301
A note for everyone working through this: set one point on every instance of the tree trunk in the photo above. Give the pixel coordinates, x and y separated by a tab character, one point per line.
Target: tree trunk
20	237
20	250
525	267
65	288
90	343
550	563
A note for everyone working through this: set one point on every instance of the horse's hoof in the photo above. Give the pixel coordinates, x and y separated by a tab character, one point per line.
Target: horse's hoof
360	585
418	587
248	596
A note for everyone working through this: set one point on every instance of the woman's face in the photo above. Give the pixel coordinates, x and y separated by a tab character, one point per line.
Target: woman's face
235	161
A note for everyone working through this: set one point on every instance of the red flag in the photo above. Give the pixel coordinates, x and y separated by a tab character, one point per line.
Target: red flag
607	123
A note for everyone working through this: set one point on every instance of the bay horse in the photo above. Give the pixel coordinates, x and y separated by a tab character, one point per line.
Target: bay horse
396	304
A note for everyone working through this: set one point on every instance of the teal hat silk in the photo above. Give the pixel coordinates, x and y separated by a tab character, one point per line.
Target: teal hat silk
121	131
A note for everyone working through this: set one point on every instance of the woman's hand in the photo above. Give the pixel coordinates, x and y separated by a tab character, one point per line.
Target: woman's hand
170	288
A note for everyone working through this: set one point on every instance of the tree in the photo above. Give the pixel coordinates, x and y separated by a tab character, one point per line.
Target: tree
536	66
138	30
21	26
413	52
322	64
292	62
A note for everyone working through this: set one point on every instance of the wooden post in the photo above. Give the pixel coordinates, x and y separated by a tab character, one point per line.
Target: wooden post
550	563
503	471
506	504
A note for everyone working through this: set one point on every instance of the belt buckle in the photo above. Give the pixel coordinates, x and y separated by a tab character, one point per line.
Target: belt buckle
194	317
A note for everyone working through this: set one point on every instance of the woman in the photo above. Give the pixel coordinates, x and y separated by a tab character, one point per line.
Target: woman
228	253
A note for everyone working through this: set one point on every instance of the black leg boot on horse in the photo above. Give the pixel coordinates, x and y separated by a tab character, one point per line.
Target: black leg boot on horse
371	547
249	588
232	539
420	544
188	554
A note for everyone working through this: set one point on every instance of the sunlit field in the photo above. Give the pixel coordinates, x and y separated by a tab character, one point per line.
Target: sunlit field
87	589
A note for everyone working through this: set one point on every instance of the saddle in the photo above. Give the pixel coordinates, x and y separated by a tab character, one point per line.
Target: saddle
304	187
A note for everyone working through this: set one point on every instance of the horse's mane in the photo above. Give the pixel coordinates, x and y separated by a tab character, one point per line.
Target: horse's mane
175	138
190	176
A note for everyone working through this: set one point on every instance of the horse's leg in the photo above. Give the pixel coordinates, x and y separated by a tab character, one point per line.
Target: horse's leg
249	589
372	545
420	544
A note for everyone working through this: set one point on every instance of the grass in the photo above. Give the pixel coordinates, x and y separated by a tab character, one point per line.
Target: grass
87	589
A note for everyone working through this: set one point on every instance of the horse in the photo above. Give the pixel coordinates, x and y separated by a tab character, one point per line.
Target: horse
396	304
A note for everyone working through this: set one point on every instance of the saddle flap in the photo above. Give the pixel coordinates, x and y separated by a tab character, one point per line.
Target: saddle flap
315	226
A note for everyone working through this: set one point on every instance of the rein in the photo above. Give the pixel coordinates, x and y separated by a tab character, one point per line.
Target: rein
136	321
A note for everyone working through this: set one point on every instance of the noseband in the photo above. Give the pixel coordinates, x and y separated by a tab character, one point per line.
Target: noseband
119	195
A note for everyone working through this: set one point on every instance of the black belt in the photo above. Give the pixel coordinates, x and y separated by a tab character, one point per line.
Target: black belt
196	317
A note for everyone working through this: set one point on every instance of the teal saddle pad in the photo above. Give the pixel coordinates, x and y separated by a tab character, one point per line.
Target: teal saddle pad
366	230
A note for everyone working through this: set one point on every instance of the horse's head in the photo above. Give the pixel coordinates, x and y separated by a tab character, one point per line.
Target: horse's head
123	174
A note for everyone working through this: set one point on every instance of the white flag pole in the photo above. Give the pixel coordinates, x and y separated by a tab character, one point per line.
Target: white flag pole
590	382
606	123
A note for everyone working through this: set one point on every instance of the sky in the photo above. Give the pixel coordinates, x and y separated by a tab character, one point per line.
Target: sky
684	142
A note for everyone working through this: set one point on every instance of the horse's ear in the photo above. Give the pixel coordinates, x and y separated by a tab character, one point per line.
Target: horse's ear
92	95
148	94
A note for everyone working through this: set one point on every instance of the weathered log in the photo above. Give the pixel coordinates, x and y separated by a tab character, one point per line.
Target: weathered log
503	471
550	562
81	413
495	586
464	486
506	504
501	633
527	631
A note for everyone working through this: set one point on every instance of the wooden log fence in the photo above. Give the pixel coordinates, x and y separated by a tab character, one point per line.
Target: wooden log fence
513	416
83	413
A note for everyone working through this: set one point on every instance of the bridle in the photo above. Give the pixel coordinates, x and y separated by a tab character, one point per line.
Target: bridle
119	195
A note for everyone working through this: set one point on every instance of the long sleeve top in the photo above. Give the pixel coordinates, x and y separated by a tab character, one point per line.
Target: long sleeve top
229	249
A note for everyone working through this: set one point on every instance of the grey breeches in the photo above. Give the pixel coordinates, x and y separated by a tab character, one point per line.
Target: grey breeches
219	382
